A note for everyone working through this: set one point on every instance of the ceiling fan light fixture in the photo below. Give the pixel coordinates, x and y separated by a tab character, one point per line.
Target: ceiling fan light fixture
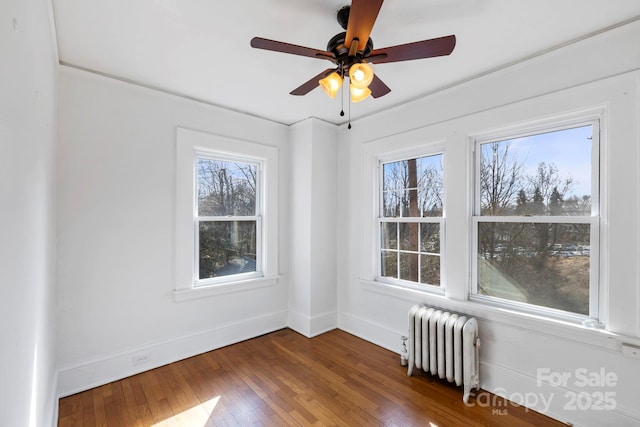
352	52
358	94
361	75
331	84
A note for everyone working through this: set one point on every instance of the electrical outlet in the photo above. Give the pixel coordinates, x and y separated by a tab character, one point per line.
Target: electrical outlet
140	358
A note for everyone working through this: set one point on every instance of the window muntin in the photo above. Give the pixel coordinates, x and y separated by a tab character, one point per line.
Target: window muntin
411	221
536	224
228	221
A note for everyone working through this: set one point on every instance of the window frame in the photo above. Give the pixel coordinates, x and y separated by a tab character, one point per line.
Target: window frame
432	149
189	145
596	286
211	154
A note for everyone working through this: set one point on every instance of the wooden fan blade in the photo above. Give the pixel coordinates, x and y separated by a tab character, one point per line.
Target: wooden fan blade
276	46
311	84
378	88
362	16
440	46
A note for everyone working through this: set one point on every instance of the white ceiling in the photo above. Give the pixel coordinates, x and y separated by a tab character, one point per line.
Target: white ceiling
200	48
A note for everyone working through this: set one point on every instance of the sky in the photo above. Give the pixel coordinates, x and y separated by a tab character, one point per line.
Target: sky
568	149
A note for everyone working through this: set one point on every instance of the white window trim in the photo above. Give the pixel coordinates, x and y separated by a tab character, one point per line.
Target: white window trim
428	149
190	144
597	290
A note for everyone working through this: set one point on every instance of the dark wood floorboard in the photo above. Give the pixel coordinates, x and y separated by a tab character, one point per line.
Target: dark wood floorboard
285	379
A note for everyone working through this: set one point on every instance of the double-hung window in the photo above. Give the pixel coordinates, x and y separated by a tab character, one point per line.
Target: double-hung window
227	214
227	221
411	220
536	220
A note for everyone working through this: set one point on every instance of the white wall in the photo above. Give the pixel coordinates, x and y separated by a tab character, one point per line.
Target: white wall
598	72
313	291
27	226
116	224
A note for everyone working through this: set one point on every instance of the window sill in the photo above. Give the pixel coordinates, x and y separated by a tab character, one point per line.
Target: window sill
180	295
600	338
388	284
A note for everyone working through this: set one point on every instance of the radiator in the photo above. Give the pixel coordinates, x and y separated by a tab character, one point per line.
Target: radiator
445	344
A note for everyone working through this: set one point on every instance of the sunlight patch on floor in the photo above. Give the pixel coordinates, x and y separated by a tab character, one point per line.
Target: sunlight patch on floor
196	416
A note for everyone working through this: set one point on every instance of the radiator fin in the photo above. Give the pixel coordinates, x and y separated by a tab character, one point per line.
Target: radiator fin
446	345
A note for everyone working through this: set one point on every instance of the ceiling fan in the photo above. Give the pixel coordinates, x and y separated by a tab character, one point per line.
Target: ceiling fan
352	52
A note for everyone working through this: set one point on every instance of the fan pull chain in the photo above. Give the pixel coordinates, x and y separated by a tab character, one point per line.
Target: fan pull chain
349	126
342	98
342	95
342	102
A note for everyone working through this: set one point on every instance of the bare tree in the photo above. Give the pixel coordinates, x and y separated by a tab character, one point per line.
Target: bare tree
500	178
500	185
548	181
430	191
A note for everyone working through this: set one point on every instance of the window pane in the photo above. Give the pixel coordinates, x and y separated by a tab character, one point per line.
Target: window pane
543	264
409	267
391	201
409	236
430	270
430	238
227	247
430	192
389	238
410	206
413	187
389	264
394	176
543	174
226	188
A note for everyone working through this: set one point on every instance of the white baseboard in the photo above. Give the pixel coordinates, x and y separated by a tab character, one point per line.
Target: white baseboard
323	323
113	367
312	326
372	332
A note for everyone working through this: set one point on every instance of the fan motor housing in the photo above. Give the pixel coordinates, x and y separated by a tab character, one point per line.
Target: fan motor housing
338	47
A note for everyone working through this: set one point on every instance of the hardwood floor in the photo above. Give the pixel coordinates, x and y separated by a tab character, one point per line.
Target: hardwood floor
283	379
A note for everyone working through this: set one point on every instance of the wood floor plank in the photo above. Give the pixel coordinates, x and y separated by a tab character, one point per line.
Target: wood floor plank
71	414
87	416
99	394
286	379
136	410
